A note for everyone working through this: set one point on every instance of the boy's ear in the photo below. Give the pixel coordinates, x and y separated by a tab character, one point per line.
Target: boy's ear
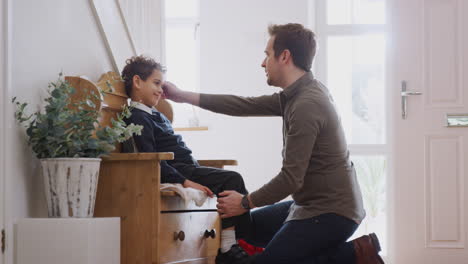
136	81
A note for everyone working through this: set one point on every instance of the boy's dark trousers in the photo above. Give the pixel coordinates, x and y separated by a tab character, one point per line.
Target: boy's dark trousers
316	240
218	180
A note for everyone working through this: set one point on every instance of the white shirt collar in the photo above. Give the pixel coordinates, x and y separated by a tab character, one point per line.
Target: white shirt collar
142	107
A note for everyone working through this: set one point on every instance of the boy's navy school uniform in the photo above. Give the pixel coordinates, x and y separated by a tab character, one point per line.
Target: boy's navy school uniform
158	136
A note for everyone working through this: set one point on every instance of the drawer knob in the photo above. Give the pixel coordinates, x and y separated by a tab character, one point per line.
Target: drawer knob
179	236
211	233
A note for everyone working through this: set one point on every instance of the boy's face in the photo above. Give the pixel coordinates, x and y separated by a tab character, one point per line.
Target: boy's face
148	92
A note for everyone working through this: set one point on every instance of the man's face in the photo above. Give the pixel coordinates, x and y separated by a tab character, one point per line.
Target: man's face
150	91
271	64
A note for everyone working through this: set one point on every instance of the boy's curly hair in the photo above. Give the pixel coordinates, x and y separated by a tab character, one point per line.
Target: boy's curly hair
139	65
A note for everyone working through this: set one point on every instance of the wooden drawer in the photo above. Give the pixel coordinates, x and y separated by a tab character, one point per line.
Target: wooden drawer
173	202
195	247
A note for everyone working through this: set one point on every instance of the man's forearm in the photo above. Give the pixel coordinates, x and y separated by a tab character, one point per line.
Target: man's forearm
189	97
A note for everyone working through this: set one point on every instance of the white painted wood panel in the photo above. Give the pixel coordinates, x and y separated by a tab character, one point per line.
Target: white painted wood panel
442	46
71	241
444	186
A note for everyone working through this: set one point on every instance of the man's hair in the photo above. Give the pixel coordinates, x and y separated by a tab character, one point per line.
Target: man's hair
141	66
299	40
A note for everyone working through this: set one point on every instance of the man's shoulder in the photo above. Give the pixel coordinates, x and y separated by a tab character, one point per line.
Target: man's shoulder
314	99
314	93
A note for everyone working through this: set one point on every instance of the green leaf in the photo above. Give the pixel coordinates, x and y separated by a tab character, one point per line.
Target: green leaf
62	132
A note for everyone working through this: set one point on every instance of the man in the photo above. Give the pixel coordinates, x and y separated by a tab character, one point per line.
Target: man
316	171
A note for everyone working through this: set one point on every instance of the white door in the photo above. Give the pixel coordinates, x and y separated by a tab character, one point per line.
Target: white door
429	200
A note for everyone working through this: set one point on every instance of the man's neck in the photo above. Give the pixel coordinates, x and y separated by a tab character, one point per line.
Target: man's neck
291	76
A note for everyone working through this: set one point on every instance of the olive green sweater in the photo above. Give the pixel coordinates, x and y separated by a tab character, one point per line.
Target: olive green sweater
316	168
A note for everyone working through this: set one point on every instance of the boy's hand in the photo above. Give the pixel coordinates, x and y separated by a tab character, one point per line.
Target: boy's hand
172	92
191	184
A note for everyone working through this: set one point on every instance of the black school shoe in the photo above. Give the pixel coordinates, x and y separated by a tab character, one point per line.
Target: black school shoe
236	255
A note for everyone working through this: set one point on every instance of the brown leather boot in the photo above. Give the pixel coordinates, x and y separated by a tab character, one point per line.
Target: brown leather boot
367	250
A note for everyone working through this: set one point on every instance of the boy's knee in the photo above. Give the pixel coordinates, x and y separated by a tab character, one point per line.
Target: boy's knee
237	176
237	182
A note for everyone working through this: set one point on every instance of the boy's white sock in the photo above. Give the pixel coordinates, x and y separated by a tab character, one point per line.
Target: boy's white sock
228	238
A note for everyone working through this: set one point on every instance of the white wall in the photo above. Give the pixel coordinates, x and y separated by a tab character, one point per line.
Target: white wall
48	36
3	81
233	37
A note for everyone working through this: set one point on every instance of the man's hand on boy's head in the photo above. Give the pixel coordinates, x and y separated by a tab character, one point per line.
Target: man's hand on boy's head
171	92
191	184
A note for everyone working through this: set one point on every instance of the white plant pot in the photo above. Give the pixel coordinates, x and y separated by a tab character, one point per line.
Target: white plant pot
70	186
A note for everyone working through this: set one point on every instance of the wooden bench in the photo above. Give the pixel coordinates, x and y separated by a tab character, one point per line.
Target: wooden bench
156	226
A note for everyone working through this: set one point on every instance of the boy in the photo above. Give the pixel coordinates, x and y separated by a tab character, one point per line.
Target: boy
143	79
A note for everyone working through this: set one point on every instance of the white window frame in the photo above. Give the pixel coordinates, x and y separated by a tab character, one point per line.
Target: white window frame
323	31
196	24
195	21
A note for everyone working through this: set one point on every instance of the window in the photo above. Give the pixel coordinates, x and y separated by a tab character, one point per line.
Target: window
341	12
372	175
182	54
355	68
351	61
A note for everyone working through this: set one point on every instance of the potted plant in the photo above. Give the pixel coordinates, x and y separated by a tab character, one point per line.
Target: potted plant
69	141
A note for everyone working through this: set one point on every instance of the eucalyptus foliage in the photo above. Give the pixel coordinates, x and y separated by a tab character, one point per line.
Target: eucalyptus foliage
71	129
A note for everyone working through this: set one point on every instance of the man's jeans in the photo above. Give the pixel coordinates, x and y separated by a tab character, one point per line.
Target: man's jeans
316	240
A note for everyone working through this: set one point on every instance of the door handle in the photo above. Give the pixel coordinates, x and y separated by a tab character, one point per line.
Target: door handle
404	94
